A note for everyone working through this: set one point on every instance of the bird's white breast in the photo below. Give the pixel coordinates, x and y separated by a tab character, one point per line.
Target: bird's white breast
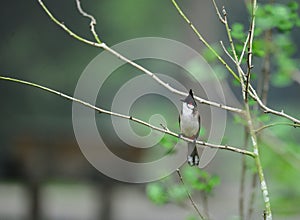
189	124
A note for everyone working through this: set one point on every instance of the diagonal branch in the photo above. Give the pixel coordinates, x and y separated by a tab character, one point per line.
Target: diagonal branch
139	67
276	124
200	37
251	91
189	195
266	109
128	117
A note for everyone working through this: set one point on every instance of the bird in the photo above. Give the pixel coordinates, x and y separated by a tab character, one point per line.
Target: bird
189	122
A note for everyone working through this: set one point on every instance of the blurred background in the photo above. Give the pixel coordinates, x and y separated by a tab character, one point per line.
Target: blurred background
44	175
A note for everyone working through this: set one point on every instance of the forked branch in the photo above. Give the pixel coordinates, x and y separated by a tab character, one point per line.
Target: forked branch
132	63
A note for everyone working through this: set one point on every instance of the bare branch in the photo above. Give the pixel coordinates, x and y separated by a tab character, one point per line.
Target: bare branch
218	12
139	67
200	37
269	110
250	89
236	61
244	49
139	121
63	26
227	52
250	45
276	124
245	84
92	23
189	195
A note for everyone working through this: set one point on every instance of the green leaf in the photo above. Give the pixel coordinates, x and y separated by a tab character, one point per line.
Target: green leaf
168	142
199	179
251	101
209	56
191	217
191	174
202	132
264	118
177	192
156	193
237	31
239	120
235	82
293	5
259	48
281	80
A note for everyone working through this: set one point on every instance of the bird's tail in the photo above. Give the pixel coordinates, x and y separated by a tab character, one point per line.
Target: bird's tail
193	156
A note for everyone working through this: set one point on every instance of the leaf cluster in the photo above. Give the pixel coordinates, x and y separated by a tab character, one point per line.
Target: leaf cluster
167	190
274	23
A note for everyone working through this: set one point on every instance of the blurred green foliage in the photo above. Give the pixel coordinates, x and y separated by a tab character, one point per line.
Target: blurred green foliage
170	189
273	36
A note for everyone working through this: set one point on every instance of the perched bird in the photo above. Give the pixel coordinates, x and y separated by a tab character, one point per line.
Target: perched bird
189	122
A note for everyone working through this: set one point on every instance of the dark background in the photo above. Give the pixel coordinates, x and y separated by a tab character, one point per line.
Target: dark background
42	171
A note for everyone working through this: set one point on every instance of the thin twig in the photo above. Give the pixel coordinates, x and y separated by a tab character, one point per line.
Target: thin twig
92	23
200	37
251	91
189	195
226	51
218	12
139	121
64	27
266	109
244	49
276	124
167	86
245	84
250	46
139	67
235	58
